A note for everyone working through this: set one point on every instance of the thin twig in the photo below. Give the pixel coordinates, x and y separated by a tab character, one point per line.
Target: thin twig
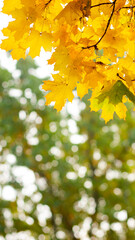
100	4
127	7
107	26
120	77
133	80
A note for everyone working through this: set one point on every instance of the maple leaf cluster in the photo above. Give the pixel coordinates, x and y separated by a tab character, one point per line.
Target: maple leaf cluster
93	43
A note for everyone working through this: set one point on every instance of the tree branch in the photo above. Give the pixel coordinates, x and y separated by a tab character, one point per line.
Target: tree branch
107	26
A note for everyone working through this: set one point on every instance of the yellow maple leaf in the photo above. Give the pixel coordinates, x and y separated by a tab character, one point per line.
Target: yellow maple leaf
107	110
121	110
9	43
60	91
93	78
21	20
71	13
36	40
120	4
82	89
10	6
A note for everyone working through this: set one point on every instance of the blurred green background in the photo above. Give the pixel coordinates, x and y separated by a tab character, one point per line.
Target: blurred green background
62	175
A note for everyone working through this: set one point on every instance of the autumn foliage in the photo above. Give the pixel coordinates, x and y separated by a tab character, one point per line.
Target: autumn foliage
93	44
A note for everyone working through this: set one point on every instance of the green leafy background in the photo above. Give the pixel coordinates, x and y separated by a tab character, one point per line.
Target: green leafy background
61	176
